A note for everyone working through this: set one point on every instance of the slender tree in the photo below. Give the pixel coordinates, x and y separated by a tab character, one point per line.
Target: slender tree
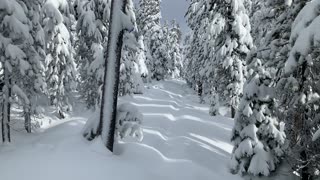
121	19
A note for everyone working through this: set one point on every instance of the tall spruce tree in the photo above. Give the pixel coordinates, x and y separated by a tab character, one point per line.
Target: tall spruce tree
175	37
61	69
92	29
21	58
222	29
149	17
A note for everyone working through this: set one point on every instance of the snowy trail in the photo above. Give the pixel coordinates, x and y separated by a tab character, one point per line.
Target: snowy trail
181	141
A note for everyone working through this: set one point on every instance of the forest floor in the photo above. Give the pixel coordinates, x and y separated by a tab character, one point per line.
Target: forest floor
181	141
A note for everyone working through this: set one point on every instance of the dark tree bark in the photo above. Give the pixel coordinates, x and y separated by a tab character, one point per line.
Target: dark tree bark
112	100
107	121
233	112
305	175
6	106
200	91
27	119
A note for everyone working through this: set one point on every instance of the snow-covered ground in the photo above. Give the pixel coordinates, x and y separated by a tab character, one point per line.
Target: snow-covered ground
181	141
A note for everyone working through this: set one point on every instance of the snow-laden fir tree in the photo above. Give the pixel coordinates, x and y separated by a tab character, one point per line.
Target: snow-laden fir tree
273	21
175	55
196	55
232	43
60	66
127	72
149	17
271	28
258	135
223	31
34	84
141	68
186	60
21	43
214	104
189	62
92	29
160	53
132	66
300	91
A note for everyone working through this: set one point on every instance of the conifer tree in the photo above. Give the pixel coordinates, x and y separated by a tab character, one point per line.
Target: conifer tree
299	90
92	29
175	35
222	29
149	17
19	60
61	69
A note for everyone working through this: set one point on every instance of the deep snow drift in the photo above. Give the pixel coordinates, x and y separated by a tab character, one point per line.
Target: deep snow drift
181	141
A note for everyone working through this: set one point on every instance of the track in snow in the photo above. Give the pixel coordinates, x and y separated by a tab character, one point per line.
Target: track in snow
181	141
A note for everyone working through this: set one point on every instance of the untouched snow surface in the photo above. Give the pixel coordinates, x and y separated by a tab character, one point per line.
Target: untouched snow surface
181	142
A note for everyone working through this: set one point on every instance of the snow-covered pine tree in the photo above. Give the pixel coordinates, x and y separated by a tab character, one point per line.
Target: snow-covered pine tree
259	107
188	61
300	90
196	56
121	20
127	71
132	66
92	29
149	17
258	135
214	104
142	69
34	84
232	44
17	48
161	56
222	29
174	48
61	69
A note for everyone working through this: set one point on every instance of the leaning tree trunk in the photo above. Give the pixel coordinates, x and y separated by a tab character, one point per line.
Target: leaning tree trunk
109	101
108	111
5	123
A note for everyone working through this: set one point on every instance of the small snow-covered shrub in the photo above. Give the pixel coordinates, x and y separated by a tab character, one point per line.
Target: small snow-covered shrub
129	121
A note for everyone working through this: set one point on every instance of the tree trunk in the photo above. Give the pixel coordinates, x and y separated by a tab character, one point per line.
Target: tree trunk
305	170
108	110
233	112
200	91
6	107
27	119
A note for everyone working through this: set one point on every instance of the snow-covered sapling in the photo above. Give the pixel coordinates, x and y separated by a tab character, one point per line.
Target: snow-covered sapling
129	121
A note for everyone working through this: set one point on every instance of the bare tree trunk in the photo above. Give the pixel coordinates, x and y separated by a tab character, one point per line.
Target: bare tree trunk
233	112
108	110
27	119
6	107
200	91
305	170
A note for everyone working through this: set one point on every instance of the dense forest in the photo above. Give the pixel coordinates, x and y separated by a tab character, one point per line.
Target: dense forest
112	63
